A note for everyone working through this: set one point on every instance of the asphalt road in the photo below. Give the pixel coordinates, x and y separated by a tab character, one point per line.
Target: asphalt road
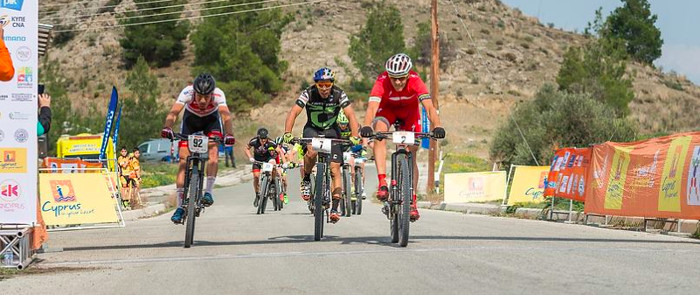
239	252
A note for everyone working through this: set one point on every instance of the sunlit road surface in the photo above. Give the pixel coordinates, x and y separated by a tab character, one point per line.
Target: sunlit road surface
239	252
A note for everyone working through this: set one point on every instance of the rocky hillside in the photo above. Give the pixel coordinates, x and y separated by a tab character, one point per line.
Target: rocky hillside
510	57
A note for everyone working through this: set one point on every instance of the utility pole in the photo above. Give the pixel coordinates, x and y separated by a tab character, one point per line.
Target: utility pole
434	91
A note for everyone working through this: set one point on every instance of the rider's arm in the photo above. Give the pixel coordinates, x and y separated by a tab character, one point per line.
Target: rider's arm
247	151
354	125
293	113
226	117
172	115
375	97
432	113
299	105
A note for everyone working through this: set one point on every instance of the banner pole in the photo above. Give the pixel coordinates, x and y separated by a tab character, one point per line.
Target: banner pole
551	210
571	208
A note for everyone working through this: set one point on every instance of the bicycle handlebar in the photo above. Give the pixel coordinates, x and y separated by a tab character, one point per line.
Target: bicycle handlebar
181	136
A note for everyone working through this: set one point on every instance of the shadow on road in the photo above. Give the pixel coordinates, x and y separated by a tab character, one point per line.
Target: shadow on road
378	240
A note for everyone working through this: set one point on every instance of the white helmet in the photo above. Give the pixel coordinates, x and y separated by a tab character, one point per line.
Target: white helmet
398	65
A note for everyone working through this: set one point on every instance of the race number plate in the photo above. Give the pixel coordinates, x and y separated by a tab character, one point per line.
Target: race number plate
198	143
321	145
267	167
346	156
404	137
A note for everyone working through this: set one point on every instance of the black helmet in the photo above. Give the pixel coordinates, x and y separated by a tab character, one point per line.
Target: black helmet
262	133
204	84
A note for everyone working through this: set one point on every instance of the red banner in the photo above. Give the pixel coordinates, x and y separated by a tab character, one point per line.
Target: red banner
568	175
652	178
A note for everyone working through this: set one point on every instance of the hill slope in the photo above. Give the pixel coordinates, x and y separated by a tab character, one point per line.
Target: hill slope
510	57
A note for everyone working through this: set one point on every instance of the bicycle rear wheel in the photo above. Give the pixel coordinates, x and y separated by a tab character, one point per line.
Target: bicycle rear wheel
318	200
405	184
192	196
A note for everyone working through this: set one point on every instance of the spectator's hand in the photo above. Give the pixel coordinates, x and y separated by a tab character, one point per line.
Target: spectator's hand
167	133
44	100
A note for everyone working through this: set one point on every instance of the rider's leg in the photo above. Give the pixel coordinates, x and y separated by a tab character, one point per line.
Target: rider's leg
381	125
309	160
180	180
212	166
256	181
414	152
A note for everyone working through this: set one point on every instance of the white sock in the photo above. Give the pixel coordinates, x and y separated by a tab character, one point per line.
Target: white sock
210	183
180	193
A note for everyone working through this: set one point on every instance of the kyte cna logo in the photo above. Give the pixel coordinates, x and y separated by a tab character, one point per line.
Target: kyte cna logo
12	4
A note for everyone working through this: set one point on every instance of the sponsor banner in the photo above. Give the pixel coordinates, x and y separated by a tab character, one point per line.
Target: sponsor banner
528	184
18	114
474	187
652	178
568	174
59	165
77	198
13	160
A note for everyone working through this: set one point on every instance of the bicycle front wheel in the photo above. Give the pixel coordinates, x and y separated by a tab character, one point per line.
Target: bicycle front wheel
405	184
318	200
347	182
358	190
263	194
192	197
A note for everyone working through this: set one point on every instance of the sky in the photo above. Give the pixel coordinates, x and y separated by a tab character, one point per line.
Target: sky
678	21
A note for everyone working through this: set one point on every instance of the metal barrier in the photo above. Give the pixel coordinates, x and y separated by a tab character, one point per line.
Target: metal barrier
16	247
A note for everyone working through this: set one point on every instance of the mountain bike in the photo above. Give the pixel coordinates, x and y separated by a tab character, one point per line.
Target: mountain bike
198	145
269	188
398	206
321	192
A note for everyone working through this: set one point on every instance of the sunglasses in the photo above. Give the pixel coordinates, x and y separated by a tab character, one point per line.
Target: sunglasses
399	78
324	84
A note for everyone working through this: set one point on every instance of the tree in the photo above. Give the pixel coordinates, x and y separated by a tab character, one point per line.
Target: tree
634	23
557	119
142	115
242	53
380	37
159	43
598	68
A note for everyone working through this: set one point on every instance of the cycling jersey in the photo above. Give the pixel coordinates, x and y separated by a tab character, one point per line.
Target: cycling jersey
263	153
399	105
186	98
322	112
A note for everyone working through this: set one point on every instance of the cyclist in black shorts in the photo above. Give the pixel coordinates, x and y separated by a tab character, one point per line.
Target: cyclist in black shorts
264	150
205	109
323	101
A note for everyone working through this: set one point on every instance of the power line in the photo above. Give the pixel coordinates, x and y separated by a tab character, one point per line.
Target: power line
191	17
92	1
478	53
173	12
135	10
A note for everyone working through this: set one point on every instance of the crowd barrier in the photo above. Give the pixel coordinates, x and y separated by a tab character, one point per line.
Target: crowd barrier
527	184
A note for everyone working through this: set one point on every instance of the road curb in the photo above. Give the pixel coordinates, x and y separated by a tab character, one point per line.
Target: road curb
687	227
148	211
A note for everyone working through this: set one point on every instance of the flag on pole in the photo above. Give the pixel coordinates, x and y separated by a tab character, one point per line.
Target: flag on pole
108	122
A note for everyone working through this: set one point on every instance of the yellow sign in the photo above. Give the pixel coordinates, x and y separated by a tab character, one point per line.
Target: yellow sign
13	160
76	198
528	184
670	193
474	187
618	177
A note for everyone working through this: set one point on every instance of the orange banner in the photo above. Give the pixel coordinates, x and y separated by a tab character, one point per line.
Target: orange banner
69	165
568	175
652	178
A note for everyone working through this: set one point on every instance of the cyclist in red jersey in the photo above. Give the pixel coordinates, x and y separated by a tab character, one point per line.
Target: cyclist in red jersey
205	109
396	95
